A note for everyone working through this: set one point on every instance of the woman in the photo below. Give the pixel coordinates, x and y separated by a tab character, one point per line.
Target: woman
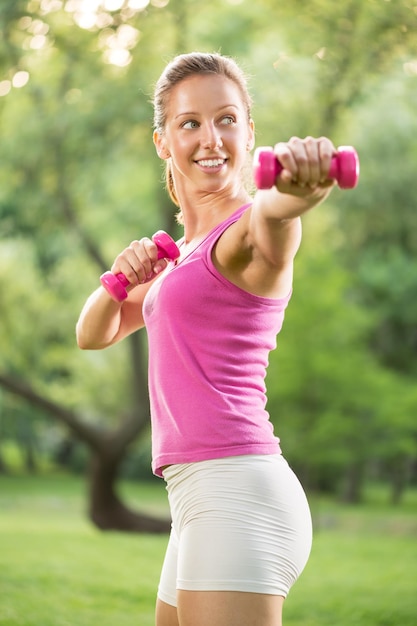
241	531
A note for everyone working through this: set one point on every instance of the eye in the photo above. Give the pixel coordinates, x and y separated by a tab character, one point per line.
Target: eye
227	120
189	124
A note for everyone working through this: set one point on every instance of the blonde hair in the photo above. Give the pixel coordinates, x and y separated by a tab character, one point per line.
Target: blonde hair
181	67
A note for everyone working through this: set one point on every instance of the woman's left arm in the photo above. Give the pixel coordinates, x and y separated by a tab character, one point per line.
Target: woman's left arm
257	253
274	224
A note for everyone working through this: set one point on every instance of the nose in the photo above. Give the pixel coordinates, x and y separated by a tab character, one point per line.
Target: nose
211	138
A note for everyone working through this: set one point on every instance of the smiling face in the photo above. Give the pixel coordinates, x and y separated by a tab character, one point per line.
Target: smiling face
207	134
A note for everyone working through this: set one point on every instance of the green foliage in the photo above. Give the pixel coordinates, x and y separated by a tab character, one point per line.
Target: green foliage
327	395
381	242
81	180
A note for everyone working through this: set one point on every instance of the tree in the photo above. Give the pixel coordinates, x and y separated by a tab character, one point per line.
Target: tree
70	176
81	175
367	94
332	403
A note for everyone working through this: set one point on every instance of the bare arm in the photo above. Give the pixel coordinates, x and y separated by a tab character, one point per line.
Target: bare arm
302	185
102	321
257	252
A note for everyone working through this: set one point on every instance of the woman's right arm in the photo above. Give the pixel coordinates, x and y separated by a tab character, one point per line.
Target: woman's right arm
103	322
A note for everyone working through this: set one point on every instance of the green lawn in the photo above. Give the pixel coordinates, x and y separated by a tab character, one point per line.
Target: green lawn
58	570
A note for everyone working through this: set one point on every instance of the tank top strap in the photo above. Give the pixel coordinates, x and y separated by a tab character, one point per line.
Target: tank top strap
220	228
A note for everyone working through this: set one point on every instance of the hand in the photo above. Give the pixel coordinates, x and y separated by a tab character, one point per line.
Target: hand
139	262
306	164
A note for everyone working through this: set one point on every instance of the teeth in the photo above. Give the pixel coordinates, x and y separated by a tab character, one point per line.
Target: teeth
212	162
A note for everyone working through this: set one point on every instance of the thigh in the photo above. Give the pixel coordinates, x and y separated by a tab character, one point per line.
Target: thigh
165	614
244	526
167	589
228	608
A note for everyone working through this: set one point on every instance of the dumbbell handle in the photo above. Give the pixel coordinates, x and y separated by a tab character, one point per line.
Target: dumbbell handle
116	284
344	167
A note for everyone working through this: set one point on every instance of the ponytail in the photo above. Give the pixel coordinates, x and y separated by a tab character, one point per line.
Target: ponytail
169	180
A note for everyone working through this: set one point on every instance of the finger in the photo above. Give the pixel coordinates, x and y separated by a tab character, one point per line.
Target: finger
127	263
285	156
147	254
301	175
134	263
159	266
306	163
313	168
326	151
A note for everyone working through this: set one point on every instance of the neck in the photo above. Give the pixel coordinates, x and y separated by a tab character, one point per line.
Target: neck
204	213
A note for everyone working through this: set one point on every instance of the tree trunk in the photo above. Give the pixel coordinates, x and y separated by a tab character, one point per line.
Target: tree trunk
108	450
352	492
107	511
400	471
29	457
3	467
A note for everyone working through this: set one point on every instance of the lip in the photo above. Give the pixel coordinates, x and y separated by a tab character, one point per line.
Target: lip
211	164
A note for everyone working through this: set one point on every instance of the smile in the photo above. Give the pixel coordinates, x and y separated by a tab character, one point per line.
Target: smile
211	162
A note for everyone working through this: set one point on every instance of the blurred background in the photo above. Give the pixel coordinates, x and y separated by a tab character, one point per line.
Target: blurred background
79	179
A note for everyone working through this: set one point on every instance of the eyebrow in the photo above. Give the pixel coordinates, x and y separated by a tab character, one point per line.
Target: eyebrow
188	113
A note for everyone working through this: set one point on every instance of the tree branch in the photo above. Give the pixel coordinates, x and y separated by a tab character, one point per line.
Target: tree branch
87	433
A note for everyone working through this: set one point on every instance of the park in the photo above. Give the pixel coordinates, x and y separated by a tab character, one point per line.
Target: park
83	523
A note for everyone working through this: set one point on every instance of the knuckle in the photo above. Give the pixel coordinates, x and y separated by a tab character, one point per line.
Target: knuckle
302	158
133	246
310	142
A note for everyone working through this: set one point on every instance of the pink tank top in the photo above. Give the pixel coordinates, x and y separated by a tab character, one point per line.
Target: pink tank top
209	344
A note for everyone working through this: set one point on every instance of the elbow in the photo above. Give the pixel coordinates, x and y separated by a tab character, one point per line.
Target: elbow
81	339
84	342
83	345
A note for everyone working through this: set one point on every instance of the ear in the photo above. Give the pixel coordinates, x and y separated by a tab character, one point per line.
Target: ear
251	137
161	149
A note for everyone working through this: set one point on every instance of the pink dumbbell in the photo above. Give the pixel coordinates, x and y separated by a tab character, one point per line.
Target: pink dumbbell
116	284
344	167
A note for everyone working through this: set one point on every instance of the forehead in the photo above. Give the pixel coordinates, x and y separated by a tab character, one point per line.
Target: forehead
204	93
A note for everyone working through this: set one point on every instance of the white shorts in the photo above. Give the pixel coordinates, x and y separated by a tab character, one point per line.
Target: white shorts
238	524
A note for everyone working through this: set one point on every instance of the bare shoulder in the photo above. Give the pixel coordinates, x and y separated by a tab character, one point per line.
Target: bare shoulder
239	256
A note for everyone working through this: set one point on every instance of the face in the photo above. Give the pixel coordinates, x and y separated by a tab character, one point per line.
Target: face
207	133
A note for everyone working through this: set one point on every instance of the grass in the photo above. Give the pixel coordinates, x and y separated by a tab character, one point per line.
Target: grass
56	569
